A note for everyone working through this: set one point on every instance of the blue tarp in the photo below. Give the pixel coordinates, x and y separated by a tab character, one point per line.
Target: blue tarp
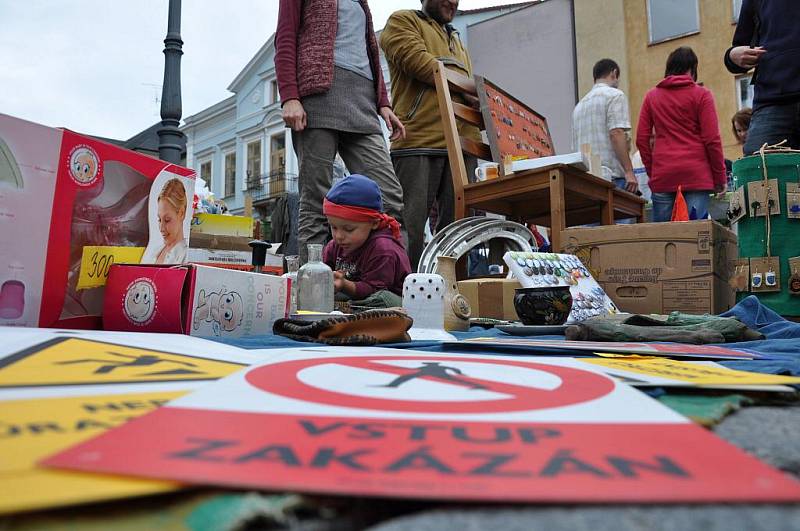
782	343
781	348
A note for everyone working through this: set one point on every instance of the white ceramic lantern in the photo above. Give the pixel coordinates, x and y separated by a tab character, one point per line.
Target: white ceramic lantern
424	300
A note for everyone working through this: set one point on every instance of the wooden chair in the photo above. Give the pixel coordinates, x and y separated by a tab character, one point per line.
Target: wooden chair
556	196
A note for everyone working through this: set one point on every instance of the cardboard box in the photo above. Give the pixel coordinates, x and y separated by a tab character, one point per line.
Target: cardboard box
201	240
222	225
490	297
660	267
70	205
194	300
240	260
232	252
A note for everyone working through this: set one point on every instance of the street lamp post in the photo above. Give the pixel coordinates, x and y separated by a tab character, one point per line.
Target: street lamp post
171	140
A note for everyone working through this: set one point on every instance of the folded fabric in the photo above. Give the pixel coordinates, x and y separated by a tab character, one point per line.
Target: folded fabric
708	408
366	328
380	299
676	327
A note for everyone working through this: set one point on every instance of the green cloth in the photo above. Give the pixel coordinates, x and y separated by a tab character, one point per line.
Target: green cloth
380	299
165	512
705	409
235	511
785	232
195	510
676	327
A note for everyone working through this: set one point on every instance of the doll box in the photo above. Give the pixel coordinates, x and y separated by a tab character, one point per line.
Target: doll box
62	193
194	300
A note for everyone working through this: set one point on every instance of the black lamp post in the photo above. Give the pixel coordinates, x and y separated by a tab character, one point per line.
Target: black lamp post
171	140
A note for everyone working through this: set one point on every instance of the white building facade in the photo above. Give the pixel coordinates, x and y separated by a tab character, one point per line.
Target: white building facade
240	146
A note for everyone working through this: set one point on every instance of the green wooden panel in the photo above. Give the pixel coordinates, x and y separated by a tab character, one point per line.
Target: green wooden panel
785	240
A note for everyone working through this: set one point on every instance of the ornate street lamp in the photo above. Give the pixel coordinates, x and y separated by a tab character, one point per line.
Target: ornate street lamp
171	140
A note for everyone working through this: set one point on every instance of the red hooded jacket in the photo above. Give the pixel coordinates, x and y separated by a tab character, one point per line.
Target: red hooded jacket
679	117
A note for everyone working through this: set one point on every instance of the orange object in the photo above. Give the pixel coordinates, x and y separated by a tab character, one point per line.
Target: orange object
680	212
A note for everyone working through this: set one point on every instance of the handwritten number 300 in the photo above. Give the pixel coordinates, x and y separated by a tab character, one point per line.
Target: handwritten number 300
101	265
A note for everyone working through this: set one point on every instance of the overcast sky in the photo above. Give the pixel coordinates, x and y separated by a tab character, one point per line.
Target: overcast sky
96	66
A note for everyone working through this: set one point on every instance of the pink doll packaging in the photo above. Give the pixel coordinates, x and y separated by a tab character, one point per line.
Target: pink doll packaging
61	193
194	300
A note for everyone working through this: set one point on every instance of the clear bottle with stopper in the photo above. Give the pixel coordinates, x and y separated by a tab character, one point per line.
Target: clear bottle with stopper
315	283
292	264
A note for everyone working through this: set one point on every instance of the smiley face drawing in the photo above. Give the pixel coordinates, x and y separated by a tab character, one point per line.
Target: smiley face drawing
140	301
83	164
223	309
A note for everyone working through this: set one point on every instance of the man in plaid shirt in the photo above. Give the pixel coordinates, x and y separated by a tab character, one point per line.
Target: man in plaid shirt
601	120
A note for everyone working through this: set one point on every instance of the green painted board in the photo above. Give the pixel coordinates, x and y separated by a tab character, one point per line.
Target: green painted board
785	240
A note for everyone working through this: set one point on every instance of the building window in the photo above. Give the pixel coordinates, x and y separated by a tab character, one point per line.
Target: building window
273	90
205	173
744	91
669	19
230	174
253	163
277	164
737	7
277	154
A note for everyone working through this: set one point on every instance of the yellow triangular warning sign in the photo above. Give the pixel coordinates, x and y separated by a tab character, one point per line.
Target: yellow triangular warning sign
75	361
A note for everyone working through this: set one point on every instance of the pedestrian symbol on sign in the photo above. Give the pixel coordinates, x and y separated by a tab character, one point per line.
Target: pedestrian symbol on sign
78	360
144	360
433	369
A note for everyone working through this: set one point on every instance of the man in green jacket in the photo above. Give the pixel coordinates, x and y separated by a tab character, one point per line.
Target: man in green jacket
413	41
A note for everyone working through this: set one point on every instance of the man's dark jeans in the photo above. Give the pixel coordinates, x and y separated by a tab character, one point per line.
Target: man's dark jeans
774	123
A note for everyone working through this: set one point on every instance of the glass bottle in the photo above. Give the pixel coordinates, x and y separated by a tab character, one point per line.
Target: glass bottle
315	283
292	264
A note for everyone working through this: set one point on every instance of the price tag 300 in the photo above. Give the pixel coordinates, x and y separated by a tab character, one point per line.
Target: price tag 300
96	261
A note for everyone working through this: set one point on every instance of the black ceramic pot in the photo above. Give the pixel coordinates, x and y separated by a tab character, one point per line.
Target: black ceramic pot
549	305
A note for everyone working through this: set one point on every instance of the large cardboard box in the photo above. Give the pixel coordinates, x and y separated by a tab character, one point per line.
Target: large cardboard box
660	267
490	297
71	205
193	299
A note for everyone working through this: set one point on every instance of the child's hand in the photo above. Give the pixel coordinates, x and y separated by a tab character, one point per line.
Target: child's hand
340	283
339	280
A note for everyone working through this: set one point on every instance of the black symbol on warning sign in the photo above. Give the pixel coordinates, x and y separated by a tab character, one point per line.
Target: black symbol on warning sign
433	369
145	360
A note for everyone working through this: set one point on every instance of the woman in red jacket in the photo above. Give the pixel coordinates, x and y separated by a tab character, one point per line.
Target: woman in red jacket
678	139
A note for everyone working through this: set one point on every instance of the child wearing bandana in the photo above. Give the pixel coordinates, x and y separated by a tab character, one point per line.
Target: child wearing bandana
366	253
